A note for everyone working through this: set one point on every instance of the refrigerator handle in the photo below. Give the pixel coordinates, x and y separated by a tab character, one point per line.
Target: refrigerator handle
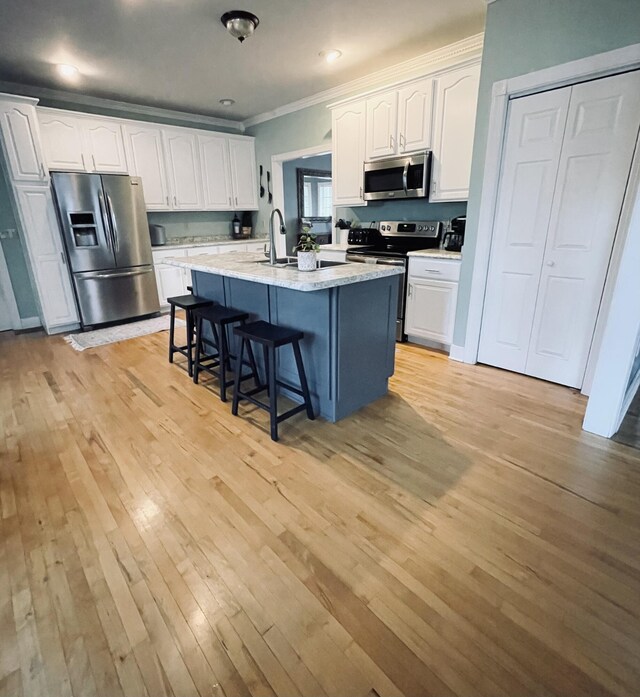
105	222
114	226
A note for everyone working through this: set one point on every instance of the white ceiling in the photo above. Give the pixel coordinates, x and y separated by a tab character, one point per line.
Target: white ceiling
176	54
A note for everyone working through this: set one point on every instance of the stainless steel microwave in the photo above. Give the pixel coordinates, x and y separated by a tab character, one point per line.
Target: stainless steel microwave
407	176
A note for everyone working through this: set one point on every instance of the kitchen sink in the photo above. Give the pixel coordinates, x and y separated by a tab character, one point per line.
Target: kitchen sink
284	262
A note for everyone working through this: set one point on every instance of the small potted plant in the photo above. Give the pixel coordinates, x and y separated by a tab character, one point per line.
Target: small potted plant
307	251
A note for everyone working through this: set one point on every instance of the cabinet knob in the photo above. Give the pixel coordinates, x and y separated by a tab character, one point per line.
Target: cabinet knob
551	263
410	290
93	159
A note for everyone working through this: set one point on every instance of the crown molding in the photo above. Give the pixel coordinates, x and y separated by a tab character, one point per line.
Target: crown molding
468	48
74	100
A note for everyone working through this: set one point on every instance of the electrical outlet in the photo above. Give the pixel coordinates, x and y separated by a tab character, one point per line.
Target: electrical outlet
7	234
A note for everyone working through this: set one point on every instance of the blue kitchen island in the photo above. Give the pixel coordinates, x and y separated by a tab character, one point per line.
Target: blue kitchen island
347	313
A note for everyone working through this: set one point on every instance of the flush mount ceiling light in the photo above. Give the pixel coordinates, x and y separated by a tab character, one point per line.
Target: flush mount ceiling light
240	24
330	55
227	102
69	72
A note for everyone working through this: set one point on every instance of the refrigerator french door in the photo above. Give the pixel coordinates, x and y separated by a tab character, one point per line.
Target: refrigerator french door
105	232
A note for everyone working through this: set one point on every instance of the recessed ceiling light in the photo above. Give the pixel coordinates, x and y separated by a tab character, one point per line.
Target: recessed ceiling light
227	102
330	55
67	71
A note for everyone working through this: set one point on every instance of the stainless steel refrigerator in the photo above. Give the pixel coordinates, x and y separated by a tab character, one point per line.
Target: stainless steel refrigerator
106	235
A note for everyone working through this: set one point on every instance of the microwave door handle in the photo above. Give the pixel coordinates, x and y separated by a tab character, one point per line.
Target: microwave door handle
405	176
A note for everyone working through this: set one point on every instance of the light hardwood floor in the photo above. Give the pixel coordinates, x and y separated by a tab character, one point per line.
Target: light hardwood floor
461	536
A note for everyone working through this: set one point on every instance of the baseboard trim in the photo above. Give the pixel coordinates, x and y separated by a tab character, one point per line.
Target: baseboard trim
30	322
456	353
628	398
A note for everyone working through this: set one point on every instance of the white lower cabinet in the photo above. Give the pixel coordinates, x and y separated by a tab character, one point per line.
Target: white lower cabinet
48	261
432	293
171	280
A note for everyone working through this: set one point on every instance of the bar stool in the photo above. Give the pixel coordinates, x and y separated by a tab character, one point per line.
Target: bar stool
220	319
188	303
272	337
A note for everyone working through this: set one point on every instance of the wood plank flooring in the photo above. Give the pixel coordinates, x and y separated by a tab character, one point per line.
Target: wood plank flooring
461	536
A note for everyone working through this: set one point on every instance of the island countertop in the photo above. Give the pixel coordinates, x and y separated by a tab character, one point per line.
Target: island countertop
245	266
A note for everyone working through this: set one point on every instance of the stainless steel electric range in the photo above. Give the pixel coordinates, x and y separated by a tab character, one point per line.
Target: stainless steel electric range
389	244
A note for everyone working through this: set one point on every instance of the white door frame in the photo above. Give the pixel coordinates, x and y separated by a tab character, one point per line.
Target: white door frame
7	292
277	179
592	67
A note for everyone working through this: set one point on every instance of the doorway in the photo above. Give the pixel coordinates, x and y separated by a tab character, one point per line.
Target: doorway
9	317
565	167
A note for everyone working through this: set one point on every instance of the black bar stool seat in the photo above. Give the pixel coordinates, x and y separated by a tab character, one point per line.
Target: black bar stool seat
272	337
188	303
219	319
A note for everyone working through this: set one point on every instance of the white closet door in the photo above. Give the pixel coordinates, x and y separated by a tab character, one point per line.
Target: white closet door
535	131
602	129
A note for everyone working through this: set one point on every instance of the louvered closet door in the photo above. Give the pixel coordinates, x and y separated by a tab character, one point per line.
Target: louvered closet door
550	253
535	130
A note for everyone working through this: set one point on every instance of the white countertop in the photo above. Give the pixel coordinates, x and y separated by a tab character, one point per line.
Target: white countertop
335	247
243	265
436	254
177	243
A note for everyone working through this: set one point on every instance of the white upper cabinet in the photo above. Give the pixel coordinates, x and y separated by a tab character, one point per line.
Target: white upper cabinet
242	158
183	169
415	116
72	143
382	125
104	146
146	159
62	141
44	246
456	97
216	179
400	120
348	134
19	126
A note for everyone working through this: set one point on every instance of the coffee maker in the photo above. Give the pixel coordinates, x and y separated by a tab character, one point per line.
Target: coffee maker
454	239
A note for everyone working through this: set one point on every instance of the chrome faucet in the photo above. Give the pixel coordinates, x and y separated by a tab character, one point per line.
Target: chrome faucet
272	237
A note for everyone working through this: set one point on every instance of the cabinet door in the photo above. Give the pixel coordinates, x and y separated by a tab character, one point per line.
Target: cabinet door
183	166
216	173
242	157
455	107
62	142
431	309
146	159
382	125
171	280
415	116
21	137
225	248
105	146
348	132
46	254
256	246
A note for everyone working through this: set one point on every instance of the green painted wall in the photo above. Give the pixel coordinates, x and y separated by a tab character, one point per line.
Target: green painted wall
522	36
14	253
301	129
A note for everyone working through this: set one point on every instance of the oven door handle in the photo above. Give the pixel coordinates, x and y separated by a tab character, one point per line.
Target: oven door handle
405	177
390	262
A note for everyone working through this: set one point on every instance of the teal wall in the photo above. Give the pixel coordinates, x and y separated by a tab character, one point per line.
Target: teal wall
14	253
195	223
522	36
301	129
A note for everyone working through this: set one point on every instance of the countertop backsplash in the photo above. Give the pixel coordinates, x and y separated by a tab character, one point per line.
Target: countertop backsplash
195	226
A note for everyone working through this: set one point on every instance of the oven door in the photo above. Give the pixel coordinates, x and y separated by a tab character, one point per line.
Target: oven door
402	289
399	177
